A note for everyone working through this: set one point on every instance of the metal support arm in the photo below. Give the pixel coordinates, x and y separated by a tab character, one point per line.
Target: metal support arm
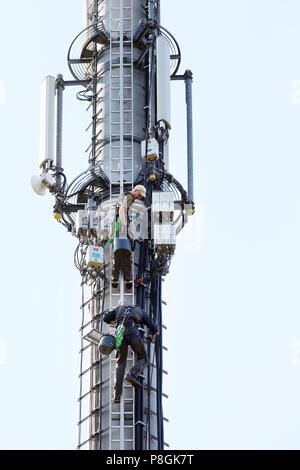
188	78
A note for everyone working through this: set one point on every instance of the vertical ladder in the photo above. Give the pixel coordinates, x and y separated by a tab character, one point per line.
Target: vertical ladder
121	416
121	93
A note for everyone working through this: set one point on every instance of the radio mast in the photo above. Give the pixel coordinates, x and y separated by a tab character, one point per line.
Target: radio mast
122	62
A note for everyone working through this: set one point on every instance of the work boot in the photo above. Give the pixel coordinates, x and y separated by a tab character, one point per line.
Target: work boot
116	398
128	285
114	284
134	382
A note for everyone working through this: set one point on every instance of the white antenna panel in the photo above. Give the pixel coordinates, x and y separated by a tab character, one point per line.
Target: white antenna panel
47	120
163	80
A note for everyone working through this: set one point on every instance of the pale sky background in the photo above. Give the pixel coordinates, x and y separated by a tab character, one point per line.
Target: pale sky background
233	291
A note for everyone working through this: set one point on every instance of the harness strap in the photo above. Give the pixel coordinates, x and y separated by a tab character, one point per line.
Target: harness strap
131	337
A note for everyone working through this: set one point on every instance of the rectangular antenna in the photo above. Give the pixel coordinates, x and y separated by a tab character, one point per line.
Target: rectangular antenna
163	81
47	120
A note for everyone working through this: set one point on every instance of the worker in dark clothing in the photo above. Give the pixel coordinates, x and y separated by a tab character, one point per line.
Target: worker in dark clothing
131	317
123	259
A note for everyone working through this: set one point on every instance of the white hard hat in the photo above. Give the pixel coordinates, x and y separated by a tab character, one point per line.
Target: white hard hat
141	189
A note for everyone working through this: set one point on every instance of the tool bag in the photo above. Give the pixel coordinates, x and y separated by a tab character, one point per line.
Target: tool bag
119	336
116	234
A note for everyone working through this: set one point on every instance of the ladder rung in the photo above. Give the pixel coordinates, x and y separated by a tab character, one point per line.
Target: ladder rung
118	123
83	443
119	8
85	371
124	122
124	100
118	440
124	111
125	426
124	53
117	41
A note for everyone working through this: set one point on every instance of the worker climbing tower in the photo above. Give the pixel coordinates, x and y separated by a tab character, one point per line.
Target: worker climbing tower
123	62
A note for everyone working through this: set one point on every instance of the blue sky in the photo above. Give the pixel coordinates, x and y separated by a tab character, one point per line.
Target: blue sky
233	302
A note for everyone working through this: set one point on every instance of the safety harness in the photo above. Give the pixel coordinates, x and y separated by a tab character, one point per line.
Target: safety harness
130	325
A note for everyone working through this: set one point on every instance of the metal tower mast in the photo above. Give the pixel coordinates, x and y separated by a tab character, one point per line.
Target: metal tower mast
124	61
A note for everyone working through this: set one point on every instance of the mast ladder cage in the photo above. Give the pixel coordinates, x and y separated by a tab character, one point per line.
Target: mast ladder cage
115	59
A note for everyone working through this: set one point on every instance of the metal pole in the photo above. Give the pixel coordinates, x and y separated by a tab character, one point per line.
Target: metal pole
59	124
188	78
158	12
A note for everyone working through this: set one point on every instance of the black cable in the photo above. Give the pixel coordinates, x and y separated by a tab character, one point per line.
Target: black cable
82	96
84	179
64	224
75	257
64	184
